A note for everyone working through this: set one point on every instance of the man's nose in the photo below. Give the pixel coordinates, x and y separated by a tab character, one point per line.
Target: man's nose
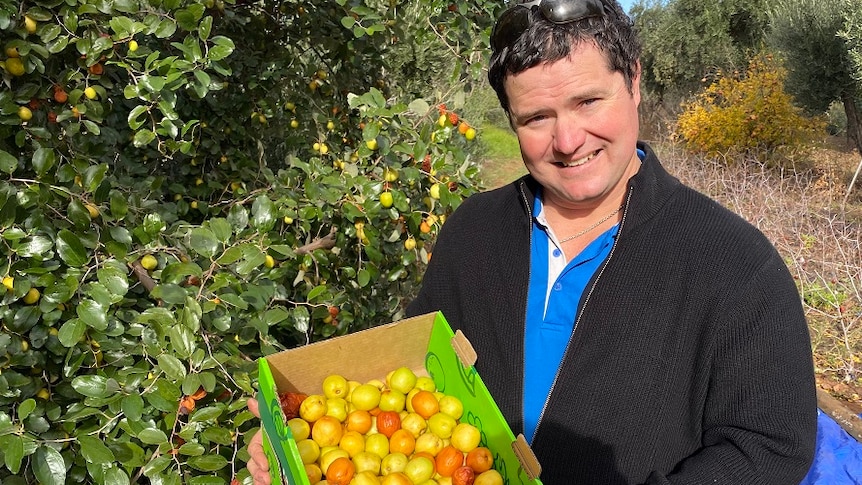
569	135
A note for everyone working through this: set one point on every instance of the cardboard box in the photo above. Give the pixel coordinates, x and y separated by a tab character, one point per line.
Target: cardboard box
427	345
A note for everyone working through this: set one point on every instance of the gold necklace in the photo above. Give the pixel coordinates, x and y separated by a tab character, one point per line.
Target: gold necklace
592	227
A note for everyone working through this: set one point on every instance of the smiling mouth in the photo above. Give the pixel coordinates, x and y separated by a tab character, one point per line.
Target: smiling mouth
580	161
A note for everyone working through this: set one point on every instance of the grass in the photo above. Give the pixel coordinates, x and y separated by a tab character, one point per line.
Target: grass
501	156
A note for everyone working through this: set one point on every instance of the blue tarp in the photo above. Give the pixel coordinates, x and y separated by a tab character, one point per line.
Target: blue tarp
838	456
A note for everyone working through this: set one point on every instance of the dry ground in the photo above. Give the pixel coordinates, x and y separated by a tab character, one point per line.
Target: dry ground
802	210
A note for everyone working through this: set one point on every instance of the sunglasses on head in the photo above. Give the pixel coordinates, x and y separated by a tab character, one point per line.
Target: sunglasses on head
515	20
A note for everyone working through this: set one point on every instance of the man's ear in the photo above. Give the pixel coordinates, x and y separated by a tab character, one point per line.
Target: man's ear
636	83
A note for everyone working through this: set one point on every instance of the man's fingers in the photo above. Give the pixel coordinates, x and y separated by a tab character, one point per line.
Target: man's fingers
254	407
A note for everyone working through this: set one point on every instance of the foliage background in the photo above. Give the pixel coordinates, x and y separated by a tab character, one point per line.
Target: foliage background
243	145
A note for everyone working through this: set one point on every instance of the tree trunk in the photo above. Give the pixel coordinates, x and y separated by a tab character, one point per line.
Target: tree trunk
854	132
854	119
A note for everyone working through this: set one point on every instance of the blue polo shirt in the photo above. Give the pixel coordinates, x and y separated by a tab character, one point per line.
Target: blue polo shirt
555	291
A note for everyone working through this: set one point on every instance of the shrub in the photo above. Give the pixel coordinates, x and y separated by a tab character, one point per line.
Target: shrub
748	113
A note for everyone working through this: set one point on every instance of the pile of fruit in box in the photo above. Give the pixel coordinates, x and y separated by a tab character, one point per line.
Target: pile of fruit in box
401	432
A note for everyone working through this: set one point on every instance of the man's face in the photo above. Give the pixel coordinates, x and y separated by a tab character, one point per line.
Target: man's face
577	124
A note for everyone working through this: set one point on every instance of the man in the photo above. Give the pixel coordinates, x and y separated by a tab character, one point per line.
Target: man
634	330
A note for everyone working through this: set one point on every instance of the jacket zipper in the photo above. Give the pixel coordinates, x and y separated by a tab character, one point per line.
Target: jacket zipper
577	320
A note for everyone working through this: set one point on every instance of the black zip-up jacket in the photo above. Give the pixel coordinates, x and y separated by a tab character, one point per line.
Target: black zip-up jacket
690	361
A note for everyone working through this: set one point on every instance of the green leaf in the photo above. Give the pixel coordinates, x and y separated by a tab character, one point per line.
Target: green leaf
48	466
93	314
133	406
122	26
13	452
203	242
171	366
25	408
152	436
206	414
205	27
143	138
191	449
182	340
170	293
363	278
91	385
8	163
71	249
315	292
134	119
43	160
116	476
208	463
263	214
71	332
221	229
223	47
94	450
166	28
114	279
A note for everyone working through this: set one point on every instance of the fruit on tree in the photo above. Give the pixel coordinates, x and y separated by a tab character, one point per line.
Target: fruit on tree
9	283
470	134
25	113
371	144
92	210
149	262
90	92
133	45
30	24
390	174
434	191
386	199
15	66
32	296
410	244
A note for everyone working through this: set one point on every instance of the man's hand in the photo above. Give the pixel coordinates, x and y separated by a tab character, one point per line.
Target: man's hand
258	466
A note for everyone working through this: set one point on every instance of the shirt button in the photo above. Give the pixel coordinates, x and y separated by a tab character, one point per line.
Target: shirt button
558	286
557	253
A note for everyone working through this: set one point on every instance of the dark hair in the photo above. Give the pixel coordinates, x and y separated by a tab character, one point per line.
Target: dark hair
544	41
